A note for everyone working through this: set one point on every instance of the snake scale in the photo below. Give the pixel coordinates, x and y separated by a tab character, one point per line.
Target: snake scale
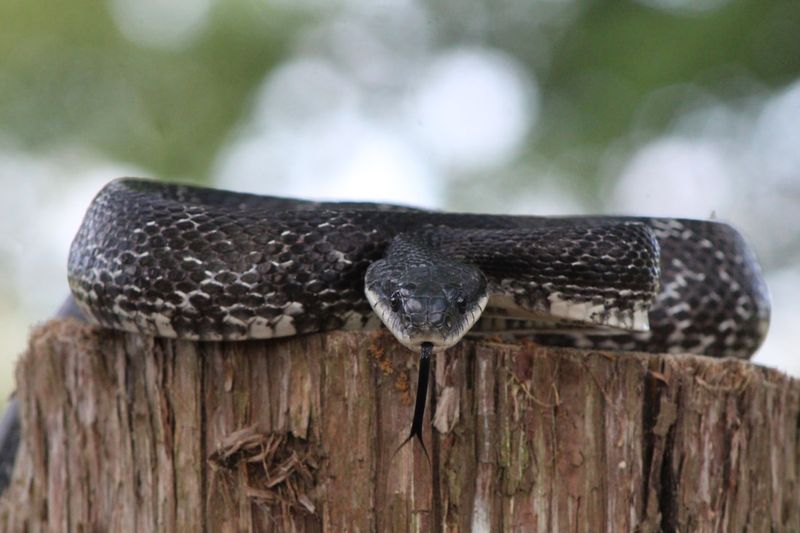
195	263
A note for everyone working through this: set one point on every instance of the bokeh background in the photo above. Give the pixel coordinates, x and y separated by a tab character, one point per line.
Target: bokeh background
664	107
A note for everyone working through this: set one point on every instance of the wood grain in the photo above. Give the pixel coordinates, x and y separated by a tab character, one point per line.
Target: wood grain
126	433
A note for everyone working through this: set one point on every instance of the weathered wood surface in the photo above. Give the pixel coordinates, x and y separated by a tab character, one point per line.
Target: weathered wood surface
123	433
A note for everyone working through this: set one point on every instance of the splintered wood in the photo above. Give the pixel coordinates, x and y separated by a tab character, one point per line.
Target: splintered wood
126	433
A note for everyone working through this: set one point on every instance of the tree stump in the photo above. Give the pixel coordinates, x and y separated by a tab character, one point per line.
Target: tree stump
126	433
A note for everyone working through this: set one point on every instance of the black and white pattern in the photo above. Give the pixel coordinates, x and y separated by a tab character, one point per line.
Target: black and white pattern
195	263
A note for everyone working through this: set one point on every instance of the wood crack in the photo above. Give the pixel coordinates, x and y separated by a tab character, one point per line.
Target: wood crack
658	432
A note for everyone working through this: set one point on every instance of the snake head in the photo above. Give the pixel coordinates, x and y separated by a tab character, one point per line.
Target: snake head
435	303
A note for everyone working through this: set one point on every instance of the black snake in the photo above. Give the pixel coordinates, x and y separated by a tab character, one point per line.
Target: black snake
196	263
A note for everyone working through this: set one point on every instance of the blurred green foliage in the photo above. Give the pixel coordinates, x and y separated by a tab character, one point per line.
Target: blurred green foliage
600	63
66	73
617	53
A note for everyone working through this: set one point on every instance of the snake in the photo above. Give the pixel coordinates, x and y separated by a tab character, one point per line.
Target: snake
188	262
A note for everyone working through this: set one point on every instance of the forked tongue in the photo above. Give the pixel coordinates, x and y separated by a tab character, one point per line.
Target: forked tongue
422	397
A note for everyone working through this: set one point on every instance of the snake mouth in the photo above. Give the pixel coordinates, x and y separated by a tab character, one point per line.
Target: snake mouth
440	330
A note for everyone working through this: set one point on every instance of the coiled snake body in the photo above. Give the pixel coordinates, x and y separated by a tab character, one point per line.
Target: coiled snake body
196	263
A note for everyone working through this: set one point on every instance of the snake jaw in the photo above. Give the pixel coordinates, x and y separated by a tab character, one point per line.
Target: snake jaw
447	335
426	306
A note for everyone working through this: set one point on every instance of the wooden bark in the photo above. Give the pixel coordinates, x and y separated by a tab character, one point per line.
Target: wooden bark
126	433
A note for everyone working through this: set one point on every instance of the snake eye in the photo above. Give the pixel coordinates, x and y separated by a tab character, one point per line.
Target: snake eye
395	301
461	304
